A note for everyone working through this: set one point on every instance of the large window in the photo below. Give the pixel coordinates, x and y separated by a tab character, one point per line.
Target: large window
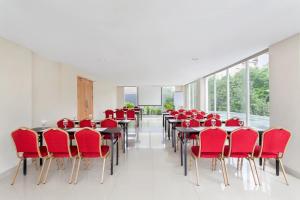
211	94
242	91
191	98
237	88
259	91
221	93
130	96
168	97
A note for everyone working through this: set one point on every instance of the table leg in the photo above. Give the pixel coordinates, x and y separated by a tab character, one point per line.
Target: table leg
174	136
126	135
181	153
185	155
163	120
138	120
41	144
260	142
25	167
277	167
112	154
168	130
117	157
141	112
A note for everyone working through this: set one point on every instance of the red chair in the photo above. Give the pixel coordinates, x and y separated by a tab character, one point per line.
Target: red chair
109	114
89	146
192	123
274	142
174	112
242	144
213	115
202	113
209	122
86	123
120	115
169	110
65	123
198	116
181	110
189	113
57	142
181	116
26	143
109	123
130	114
194	111
233	122
212	142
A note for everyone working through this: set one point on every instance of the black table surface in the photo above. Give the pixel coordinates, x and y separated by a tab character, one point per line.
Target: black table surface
107	130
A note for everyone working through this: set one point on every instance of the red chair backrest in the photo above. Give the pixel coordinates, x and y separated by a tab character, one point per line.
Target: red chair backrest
86	123
57	141
213	115
70	123
108	123
130	114
26	141
109	113
169	111
125	109
194	111
202	113
174	112
243	140
199	116
120	114
275	140
212	140
181	116
88	141
233	122
189	113
181	110
209	123
193	123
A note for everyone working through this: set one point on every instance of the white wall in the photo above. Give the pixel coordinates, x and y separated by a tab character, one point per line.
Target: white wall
15	90
285	95
34	88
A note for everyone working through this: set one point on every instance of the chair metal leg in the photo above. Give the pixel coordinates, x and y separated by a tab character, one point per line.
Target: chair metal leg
103	168
226	173
258	179
283	170
41	172
47	171
72	172
241	164
264	164
238	164
17	171
77	171
197	172
252	171
223	171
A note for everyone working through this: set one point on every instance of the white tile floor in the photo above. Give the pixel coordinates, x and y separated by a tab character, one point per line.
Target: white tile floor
150	170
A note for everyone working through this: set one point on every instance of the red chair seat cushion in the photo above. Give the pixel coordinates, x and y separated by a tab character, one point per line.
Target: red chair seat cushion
107	136
73	150
264	154
43	151
104	150
195	152
234	154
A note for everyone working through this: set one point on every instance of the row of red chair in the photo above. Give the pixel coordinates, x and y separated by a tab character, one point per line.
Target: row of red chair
242	145
120	114
89	145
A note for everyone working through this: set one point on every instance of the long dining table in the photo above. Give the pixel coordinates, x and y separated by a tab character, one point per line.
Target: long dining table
71	131
228	129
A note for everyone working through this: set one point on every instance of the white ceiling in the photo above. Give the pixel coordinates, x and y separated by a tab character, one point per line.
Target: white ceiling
153	42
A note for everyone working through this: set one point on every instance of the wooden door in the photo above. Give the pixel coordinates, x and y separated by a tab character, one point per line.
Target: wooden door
84	98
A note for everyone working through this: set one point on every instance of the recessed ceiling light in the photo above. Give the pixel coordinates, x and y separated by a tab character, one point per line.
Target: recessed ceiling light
195	59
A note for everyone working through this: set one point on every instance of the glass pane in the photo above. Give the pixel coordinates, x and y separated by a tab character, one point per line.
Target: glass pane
237	78
130	96
168	97
259	91
210	94
221	93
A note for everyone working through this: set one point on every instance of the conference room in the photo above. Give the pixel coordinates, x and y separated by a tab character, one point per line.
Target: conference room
149	100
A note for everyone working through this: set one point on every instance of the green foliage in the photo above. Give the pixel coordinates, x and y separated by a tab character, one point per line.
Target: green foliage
259	91
129	104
